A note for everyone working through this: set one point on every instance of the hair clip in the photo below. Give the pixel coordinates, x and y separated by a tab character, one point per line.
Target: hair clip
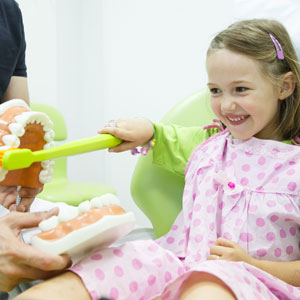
277	46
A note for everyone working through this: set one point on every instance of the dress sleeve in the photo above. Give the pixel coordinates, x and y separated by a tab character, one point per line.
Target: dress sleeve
174	145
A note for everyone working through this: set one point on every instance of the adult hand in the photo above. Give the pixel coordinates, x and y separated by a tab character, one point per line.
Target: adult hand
228	250
20	262
133	131
8	195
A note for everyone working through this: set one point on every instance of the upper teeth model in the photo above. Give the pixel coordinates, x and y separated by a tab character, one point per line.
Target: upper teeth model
78	230
22	128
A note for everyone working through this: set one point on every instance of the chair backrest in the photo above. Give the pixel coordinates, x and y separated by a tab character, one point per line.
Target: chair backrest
60	130
158	192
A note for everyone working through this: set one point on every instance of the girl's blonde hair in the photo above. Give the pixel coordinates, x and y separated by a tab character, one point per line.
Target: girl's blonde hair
252	38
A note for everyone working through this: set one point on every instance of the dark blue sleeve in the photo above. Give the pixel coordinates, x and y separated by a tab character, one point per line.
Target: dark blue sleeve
20	68
12	44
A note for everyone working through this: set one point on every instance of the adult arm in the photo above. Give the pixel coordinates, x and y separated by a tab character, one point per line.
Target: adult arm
17	89
20	262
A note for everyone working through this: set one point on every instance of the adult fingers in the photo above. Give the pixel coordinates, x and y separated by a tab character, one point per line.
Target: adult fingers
19	220
32	257
26	192
9	197
25	204
27	197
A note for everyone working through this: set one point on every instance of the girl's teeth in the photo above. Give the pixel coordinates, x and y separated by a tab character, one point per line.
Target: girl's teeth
236	119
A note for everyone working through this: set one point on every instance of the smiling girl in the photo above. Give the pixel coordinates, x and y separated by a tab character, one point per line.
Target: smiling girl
237	236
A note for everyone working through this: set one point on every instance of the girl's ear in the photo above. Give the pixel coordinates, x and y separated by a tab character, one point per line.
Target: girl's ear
287	85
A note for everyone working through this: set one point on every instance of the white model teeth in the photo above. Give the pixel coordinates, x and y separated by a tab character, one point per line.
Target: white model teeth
84	206
11	141
96	202
110	199
3	173
45	175
105	200
47	164
16	129
49	224
49	126
47	172
49	145
21	119
70	213
15	102
67	214
49	136
237	119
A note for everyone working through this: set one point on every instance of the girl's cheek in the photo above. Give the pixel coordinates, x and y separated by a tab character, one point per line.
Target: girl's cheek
216	107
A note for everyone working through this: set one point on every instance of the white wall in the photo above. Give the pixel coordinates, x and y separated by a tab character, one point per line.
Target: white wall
98	60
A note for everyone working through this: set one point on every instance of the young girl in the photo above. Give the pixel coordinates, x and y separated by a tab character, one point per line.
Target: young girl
237	236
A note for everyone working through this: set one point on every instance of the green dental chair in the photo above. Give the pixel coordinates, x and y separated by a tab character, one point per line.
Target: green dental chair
158	192
60	189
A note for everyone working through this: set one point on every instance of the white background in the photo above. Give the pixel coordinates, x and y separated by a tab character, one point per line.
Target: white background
97	60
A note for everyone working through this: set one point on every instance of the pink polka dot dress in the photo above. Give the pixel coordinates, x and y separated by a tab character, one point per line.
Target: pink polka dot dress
245	191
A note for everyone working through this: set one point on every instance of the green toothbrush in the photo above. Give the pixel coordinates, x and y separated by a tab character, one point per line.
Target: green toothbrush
23	158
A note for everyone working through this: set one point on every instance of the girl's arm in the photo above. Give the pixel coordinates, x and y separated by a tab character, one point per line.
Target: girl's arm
174	144
288	271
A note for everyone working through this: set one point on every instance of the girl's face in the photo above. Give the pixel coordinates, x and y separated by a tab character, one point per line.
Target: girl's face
242	97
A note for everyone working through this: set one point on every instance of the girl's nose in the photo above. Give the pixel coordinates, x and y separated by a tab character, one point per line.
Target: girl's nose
228	105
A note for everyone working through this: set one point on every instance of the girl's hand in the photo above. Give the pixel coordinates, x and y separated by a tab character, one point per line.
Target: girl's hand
133	131
228	250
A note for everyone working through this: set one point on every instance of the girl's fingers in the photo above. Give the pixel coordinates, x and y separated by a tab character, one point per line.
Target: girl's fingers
225	243
218	250
125	146
213	257
117	132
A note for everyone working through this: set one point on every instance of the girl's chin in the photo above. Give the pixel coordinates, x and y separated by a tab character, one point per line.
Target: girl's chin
241	136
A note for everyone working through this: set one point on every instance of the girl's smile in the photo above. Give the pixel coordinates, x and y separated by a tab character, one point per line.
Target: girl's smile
236	119
242	96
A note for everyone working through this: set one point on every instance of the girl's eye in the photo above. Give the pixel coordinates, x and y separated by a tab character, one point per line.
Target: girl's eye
215	91
241	89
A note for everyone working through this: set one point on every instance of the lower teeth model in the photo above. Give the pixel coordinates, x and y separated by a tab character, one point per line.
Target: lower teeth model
92	225
22	128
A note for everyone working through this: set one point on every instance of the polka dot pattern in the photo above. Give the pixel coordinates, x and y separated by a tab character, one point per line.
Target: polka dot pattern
260	212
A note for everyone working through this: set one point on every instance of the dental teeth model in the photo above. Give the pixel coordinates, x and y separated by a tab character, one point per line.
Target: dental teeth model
22	128
79	230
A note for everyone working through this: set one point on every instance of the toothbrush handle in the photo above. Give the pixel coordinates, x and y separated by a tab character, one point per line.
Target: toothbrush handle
98	142
23	158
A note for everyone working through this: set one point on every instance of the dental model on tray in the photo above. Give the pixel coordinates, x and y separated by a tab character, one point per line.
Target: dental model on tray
26	153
